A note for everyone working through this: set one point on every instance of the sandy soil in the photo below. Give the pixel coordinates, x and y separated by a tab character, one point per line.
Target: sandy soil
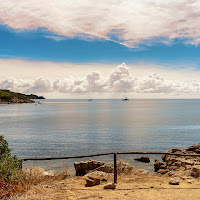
132	186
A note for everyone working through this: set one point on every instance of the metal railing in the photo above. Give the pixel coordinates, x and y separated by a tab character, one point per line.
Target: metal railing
114	156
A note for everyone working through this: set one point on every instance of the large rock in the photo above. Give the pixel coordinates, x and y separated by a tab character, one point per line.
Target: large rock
174	181
92	181
83	167
110	186
159	165
144	159
122	167
193	147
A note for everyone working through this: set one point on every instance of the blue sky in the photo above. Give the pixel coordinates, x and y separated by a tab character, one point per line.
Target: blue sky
35	45
150	49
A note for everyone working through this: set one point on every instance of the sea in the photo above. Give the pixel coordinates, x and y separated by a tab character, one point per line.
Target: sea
60	127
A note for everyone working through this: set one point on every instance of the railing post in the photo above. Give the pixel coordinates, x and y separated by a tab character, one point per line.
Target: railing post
115	168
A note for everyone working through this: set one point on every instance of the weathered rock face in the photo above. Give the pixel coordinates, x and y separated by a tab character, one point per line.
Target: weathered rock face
180	165
144	159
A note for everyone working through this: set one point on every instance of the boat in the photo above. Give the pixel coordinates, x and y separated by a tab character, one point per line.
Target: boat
125	99
89	99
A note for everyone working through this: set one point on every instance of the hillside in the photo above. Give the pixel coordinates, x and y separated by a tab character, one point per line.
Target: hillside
7	96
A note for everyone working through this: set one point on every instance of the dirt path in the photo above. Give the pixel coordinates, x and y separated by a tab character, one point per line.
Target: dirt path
132	186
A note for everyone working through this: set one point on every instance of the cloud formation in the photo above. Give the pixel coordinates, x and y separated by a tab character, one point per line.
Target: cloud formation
120	80
128	21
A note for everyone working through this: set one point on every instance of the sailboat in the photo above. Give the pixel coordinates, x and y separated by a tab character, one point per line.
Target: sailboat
126	98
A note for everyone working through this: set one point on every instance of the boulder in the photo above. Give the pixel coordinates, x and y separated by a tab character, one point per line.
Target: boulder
91	181
144	159
193	147
110	186
174	181
83	167
175	150
122	167
159	165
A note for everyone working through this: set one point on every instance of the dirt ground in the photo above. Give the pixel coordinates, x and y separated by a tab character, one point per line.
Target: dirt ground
132	186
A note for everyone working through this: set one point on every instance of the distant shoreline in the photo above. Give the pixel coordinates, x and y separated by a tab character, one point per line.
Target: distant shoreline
8	97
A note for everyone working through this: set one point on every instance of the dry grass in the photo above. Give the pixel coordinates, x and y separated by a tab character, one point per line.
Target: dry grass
24	180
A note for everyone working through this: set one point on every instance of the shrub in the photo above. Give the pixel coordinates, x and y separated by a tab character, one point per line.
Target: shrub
10	175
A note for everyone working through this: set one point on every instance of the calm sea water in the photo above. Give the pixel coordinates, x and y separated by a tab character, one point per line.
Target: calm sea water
78	127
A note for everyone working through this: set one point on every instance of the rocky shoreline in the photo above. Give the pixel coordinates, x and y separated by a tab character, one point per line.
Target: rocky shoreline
177	167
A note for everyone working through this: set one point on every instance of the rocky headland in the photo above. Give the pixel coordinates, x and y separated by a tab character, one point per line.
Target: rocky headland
8	97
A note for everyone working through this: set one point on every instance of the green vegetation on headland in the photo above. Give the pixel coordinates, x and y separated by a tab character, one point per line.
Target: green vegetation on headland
7	96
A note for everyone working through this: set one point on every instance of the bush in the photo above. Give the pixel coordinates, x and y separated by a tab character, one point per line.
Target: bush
9	165
10	175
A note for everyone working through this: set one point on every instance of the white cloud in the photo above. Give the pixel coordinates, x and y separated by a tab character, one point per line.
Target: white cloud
119	80
131	21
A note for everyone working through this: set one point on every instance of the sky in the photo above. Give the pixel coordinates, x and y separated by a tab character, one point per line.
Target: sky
103	49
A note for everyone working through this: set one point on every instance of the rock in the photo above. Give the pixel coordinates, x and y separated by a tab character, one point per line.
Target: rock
174	181
162	171
175	150
193	147
83	167
35	172
110	186
144	159
159	165
122	167
91	181
98	174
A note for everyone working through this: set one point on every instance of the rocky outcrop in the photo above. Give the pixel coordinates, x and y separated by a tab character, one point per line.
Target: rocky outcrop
144	159
177	165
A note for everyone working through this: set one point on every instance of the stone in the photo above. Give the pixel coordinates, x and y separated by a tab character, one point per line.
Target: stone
92	182
174	181
193	147
144	159
159	165
176	150
110	186
83	167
